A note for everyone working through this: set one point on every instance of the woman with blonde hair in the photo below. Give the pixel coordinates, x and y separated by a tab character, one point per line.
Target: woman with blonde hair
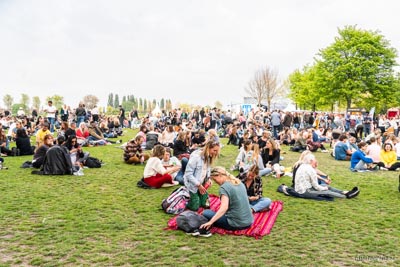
234	212
196	177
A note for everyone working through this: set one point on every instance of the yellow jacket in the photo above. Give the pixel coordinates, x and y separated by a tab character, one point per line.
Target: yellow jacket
388	157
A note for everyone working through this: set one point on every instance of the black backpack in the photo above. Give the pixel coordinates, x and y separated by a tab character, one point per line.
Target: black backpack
92	162
189	221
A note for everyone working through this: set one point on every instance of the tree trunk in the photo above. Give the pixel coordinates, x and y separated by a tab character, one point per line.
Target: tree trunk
348	103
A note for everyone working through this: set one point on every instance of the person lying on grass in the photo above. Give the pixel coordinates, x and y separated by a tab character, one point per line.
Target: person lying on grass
155	174
306	182
234	212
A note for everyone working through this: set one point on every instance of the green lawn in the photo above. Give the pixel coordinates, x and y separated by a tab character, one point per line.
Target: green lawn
103	219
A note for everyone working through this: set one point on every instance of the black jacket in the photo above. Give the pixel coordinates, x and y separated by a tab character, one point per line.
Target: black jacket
57	161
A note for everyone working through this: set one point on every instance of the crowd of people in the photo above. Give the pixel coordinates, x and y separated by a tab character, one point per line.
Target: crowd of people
181	148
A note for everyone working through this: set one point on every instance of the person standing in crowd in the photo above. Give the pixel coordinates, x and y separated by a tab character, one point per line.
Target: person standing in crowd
80	114
95	113
51	115
121	115
276	123
64	113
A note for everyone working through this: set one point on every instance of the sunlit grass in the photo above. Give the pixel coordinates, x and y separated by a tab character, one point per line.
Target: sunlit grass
103	219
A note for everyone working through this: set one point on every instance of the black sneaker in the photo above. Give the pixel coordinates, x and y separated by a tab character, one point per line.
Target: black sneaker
353	193
201	232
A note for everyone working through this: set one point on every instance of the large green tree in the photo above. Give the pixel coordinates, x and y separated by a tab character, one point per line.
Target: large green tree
357	68
110	101
25	99
36	102
8	101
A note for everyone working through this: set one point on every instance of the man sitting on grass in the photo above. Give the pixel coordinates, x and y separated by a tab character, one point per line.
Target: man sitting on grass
306	182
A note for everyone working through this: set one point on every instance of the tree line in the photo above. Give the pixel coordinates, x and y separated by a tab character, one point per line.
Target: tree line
128	103
356	70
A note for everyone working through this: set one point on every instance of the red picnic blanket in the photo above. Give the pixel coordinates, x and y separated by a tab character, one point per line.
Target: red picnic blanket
262	225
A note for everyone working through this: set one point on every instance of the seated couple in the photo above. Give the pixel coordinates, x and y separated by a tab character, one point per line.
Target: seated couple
361	162
161	169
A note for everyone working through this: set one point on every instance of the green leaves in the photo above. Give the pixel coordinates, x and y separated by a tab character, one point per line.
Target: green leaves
359	65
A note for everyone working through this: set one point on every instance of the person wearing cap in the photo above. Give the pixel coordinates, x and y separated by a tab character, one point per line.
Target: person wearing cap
234	212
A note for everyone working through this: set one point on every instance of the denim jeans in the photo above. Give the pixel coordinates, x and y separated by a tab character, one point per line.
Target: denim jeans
332	192
260	204
265	171
51	122
221	222
179	175
79	120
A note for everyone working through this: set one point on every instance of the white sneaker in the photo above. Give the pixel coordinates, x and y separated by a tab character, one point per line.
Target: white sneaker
169	185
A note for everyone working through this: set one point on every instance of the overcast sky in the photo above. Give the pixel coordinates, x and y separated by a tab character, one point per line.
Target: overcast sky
188	51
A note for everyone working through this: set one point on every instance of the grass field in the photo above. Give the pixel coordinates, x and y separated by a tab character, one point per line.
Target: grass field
103	219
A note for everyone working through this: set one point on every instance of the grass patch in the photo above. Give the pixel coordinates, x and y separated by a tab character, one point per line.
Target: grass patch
103	219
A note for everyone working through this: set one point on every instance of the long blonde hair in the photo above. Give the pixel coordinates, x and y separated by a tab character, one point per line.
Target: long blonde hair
206	151
222	171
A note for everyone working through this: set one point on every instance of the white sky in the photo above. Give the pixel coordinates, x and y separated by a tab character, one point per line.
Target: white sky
188	51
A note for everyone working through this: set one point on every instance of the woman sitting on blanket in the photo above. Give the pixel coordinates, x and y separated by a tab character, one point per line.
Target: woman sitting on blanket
155	173
253	183
234	212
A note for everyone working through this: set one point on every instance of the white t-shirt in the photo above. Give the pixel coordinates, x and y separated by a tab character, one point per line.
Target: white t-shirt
153	166
51	111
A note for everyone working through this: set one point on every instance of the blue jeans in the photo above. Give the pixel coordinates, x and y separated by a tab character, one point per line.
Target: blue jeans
51	122
265	171
221	222
276	131
260	204
179	175
80	119
332	192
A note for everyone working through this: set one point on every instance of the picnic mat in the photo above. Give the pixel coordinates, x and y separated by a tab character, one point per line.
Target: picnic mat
262	225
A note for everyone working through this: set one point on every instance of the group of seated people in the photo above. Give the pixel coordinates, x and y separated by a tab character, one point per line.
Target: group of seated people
240	196
374	154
